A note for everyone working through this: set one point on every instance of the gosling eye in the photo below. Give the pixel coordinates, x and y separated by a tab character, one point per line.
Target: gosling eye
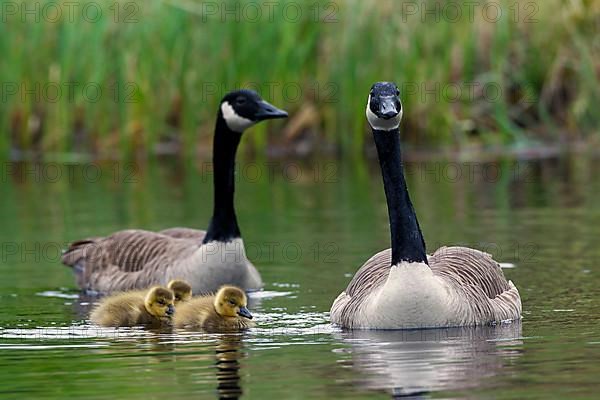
232	302
177	298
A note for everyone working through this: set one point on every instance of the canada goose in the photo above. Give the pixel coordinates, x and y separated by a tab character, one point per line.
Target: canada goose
224	311
401	287
133	308
181	290
136	259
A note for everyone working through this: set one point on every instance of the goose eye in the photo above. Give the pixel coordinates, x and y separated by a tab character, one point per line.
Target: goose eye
241	101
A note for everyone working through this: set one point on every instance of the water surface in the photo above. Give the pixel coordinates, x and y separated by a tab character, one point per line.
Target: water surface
308	226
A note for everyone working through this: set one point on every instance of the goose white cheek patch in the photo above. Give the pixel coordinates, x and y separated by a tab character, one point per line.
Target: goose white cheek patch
380	123
234	121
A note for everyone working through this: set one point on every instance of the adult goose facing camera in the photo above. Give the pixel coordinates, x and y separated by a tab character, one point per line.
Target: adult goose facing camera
402	287
207	260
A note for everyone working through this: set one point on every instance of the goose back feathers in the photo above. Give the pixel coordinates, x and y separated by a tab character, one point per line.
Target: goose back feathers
134	259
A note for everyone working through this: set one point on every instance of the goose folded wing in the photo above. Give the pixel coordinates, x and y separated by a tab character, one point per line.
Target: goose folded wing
129	251
371	275
469	267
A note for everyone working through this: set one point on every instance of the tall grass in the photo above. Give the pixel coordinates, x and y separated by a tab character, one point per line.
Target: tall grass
162	67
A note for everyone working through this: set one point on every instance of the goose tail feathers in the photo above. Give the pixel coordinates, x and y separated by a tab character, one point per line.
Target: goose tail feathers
76	252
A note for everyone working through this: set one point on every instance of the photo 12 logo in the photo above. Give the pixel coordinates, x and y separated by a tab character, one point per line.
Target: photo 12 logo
465	92
292	172
69	92
469	11
52	172
264	11
469	172
69	11
290	92
289	252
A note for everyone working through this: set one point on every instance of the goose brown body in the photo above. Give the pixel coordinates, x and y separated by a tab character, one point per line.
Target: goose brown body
136	259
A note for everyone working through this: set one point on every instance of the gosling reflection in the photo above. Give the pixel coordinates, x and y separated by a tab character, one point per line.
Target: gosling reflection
228	354
411	364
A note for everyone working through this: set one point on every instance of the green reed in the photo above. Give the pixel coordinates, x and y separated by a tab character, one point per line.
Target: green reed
146	72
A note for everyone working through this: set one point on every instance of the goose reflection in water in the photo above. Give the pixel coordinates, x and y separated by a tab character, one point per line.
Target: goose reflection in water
209	363
413	363
228	354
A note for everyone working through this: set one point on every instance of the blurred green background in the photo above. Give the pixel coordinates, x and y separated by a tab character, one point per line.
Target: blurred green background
112	79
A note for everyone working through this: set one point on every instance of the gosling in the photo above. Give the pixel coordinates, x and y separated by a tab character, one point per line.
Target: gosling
225	311
154	309
181	289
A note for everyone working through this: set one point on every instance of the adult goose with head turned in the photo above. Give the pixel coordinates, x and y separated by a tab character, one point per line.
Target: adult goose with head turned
402	287
136	259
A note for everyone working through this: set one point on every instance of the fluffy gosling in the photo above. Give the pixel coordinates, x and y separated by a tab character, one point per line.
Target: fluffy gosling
225	311
156	308
181	289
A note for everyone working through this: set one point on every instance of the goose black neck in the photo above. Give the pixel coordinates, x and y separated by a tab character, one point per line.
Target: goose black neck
407	240
223	225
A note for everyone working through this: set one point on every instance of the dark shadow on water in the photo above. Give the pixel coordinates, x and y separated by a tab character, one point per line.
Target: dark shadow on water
228	354
204	358
414	363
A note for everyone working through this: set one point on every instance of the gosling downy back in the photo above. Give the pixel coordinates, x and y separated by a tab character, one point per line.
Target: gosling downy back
136	259
181	289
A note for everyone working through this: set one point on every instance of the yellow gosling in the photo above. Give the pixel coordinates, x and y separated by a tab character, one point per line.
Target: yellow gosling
225	311
156	308
181	289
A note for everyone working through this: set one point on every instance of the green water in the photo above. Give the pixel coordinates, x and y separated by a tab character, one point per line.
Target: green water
308	227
